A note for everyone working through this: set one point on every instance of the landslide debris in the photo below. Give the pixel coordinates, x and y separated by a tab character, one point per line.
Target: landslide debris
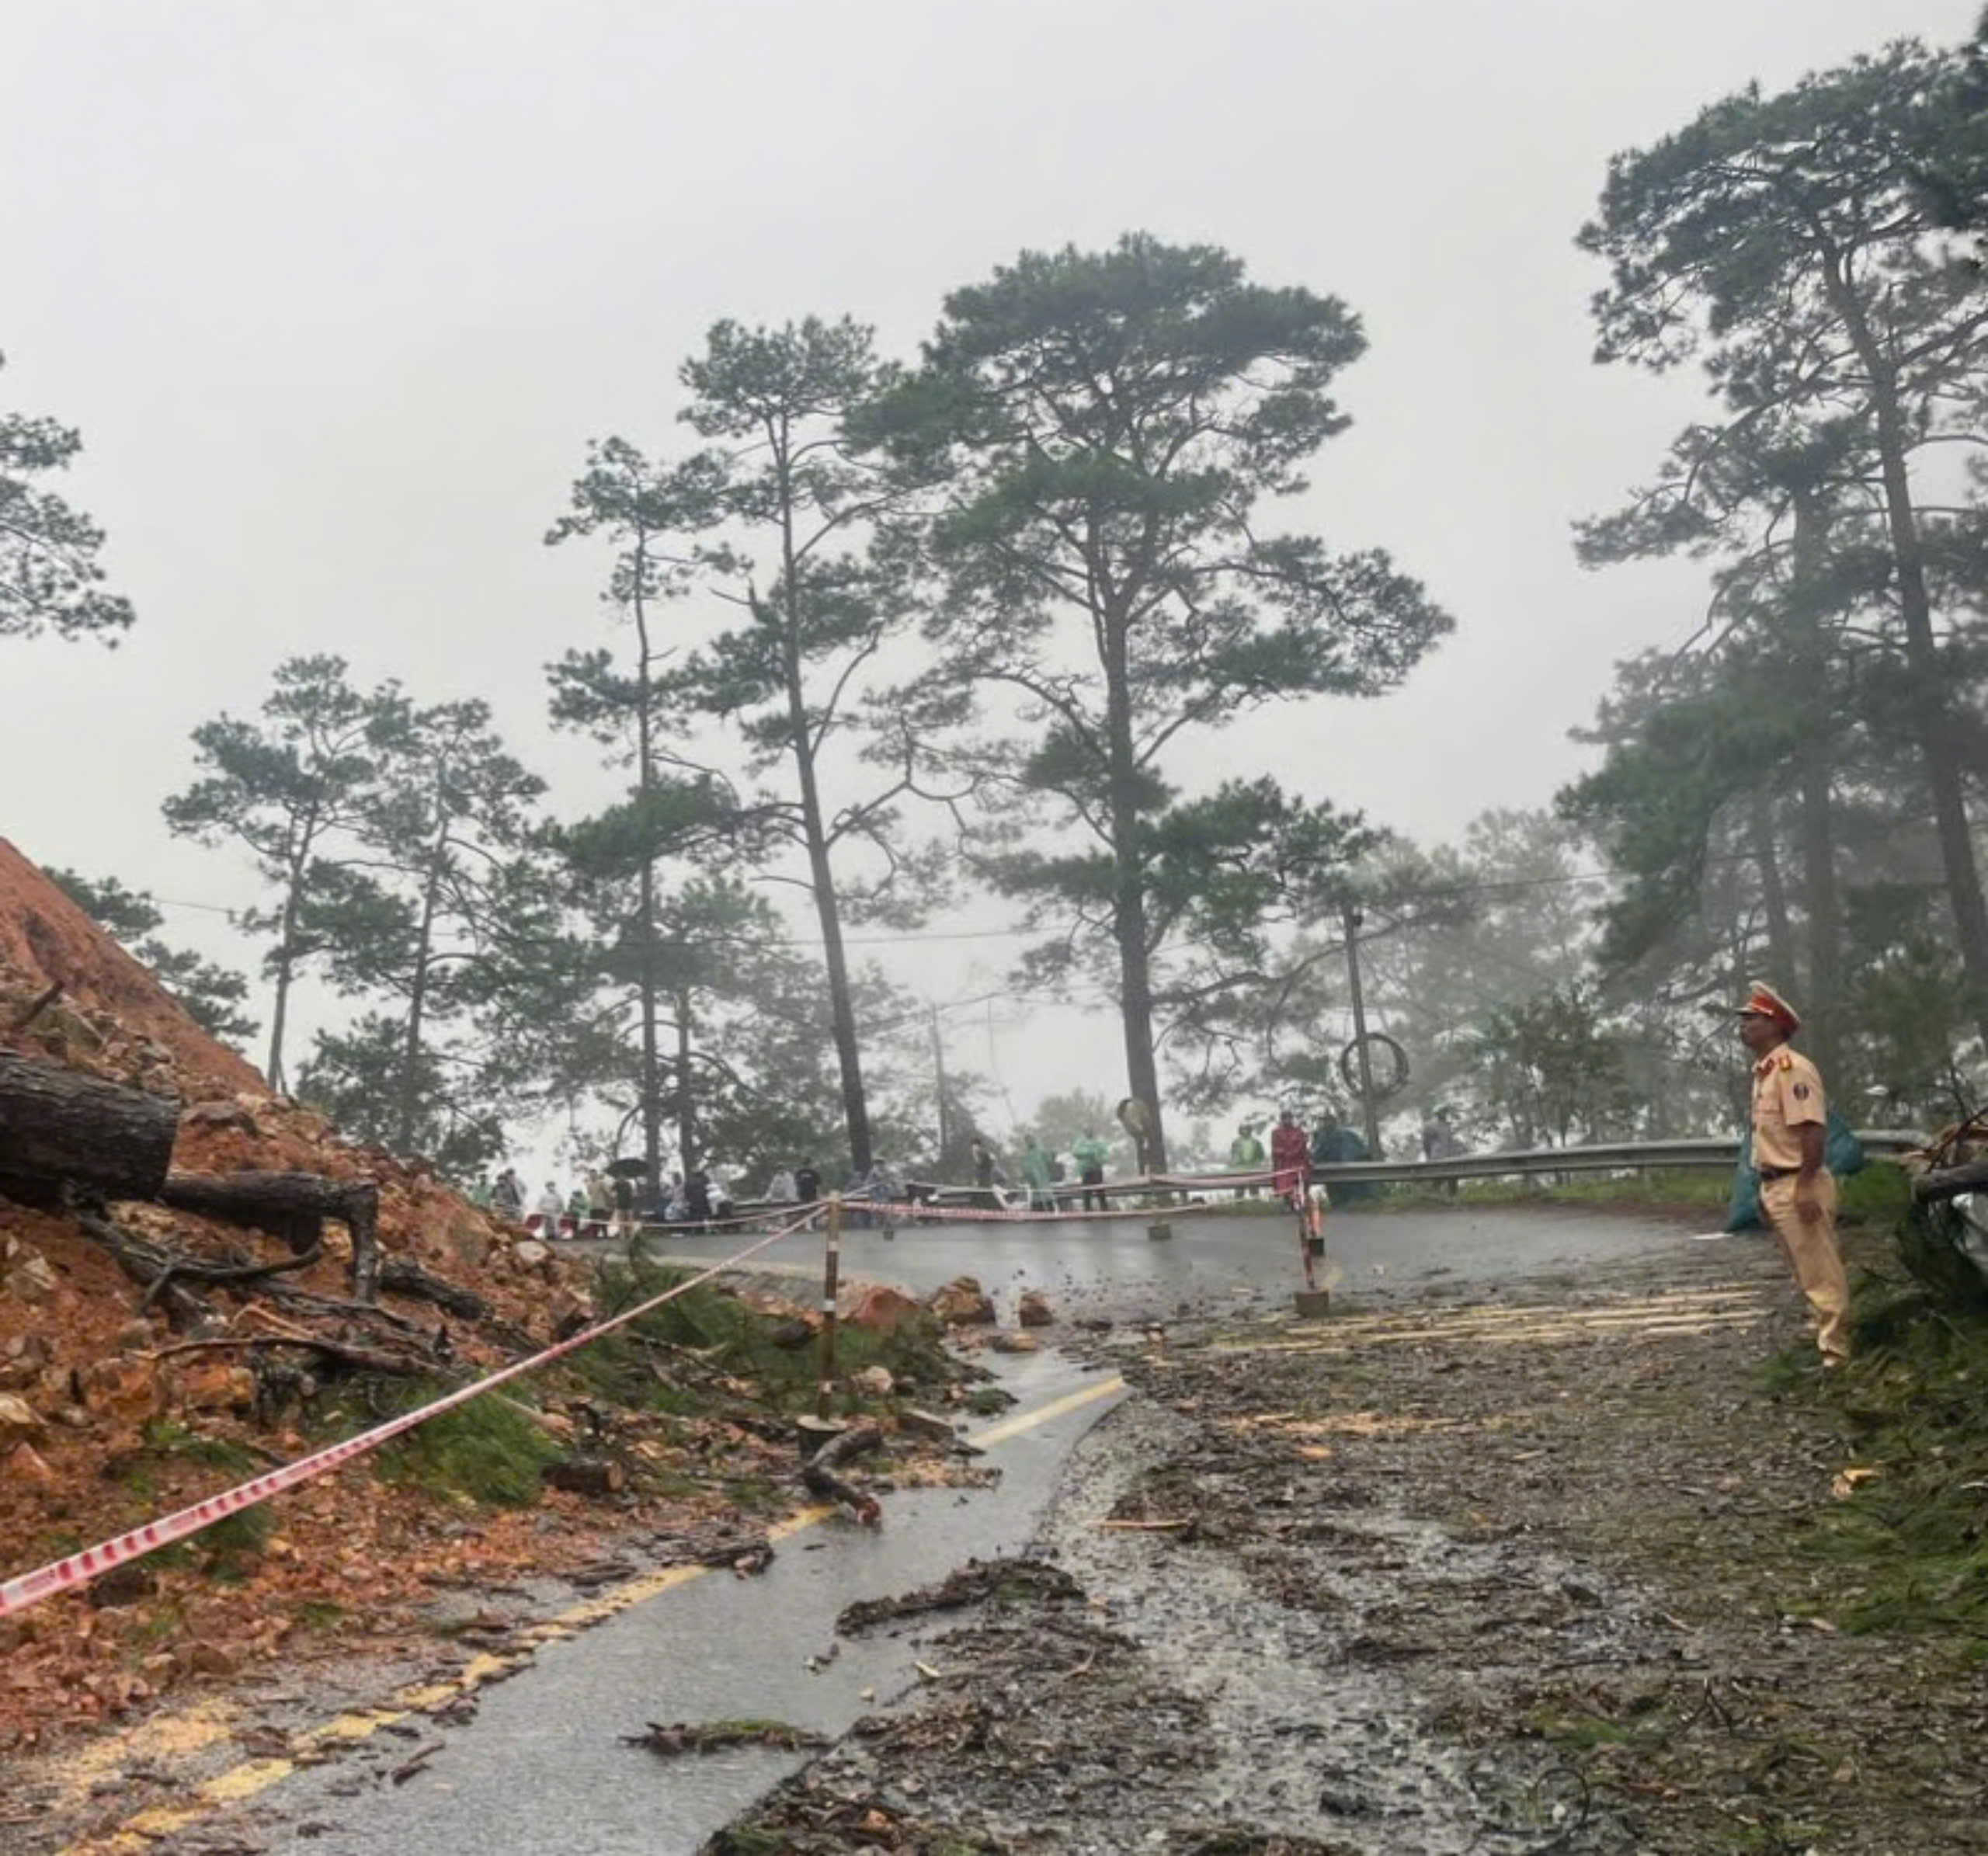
151	1356
1600	1567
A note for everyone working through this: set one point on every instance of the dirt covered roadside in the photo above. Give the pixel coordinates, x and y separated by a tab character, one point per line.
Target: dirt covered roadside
152	1356
1586	1566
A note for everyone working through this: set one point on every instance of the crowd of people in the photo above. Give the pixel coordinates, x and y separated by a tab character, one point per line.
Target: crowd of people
614	1201
1294	1156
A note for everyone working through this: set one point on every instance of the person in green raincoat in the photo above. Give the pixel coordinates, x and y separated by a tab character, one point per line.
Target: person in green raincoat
1036	1175
1246	1155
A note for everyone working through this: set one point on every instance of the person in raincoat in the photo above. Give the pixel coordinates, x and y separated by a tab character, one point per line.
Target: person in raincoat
1036	1175
1291	1159
1090	1153
1246	1155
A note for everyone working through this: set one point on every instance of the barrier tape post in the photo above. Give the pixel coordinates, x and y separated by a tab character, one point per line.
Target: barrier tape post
824	1394
1312	1300
17	1594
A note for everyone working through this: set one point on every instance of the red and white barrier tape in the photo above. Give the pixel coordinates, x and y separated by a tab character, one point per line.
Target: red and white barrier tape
534	1226
79	1568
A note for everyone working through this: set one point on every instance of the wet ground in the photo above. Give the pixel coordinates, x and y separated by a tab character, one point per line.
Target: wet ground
1113	1267
524	1748
1512	1553
1451	1576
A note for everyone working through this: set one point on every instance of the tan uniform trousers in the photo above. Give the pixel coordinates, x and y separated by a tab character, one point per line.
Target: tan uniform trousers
1812	1256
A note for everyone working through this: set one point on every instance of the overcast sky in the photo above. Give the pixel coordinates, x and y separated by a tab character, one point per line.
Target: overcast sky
338	292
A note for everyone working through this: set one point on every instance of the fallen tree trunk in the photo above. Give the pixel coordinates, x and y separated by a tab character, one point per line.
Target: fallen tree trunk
290	1206
366	1359
1951	1182
819	1471
593	1475
400	1278
61	1130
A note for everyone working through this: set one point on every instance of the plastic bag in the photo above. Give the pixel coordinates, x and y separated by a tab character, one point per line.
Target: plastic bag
1743	1211
1842	1154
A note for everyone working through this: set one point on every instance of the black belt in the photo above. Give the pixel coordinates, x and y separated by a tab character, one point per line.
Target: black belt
1777	1172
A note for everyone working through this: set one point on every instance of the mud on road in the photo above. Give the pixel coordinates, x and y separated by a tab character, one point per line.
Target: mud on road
1518	1573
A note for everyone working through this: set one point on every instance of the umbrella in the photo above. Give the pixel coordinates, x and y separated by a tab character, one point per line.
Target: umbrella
633	1167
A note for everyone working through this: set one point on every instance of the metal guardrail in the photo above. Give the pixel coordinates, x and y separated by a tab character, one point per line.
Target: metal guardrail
1618	1156
1615	1156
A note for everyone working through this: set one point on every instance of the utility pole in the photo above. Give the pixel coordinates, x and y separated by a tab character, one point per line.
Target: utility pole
939	1076
1369	1114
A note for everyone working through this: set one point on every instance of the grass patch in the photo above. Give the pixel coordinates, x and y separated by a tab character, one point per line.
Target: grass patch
485	1451
1880	1194
162	1443
234	1542
1693	1186
163	1437
1908	1541
709	1331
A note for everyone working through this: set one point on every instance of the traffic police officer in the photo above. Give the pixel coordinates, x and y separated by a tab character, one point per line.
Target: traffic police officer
1797	1195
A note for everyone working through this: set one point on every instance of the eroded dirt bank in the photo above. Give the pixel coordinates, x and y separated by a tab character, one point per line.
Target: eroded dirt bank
1553	1571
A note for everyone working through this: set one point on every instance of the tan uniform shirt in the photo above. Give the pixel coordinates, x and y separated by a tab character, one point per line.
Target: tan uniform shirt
1788	1097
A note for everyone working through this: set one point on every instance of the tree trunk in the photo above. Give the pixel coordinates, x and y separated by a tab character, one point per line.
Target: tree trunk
849	1058
1773	894
1819	899
410	1104
279	1013
399	1277
644	783
59	1127
1129	904
687	1133
1943	763
821	871
290	1206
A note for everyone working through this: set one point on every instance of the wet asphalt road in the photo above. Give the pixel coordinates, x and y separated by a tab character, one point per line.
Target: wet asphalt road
1113	1267
542	1765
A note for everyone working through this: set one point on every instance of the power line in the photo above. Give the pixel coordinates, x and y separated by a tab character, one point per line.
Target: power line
914	937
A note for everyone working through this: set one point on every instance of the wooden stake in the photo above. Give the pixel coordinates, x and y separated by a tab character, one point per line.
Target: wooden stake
831	1277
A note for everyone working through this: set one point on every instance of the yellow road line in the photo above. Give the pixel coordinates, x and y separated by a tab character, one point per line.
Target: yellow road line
1027	1420
140	1832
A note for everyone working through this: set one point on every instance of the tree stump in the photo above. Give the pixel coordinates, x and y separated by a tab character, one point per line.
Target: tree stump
60	1128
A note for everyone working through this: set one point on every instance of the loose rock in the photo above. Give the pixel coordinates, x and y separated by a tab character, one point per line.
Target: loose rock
32	1279
24	1464
962	1303
877	1308
20	1422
